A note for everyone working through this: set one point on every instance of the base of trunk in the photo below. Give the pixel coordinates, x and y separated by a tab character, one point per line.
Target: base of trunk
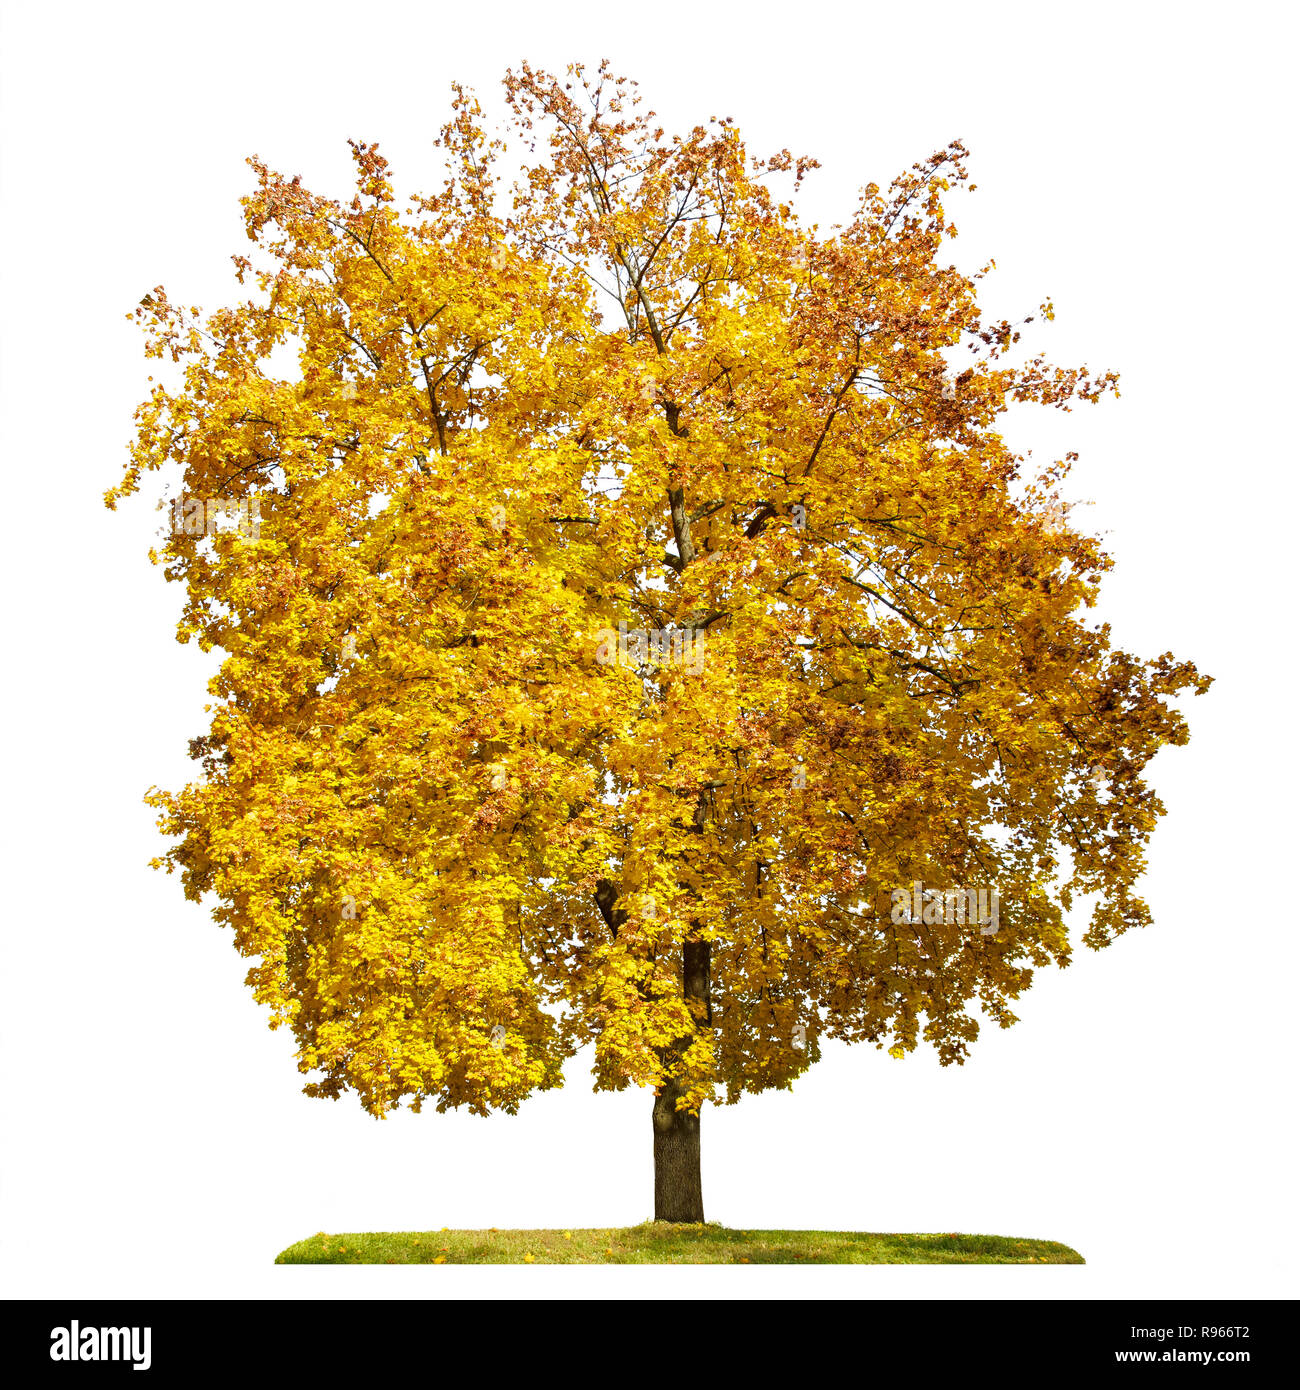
678	1193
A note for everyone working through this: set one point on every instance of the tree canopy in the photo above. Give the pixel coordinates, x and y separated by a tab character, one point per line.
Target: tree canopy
640	593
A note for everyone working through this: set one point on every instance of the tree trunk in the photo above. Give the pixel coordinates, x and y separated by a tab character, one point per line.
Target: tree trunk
678	1194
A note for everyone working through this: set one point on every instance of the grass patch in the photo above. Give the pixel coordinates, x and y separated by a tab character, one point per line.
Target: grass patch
661	1243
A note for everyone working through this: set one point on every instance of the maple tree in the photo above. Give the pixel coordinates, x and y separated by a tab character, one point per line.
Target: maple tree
641	597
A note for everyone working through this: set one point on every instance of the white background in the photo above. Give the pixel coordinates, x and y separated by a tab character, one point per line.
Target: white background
1134	161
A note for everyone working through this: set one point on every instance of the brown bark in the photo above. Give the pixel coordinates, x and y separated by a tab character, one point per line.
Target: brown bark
679	1194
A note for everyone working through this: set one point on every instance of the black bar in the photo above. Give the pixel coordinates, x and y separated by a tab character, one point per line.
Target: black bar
817	1332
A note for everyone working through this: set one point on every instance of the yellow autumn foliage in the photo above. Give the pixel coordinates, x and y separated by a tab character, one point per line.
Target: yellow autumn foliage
462	823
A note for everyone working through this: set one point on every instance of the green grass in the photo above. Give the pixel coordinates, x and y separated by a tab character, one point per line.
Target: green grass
657	1243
